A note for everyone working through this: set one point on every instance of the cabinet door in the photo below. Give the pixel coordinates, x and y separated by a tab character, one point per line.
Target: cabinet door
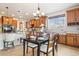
70	40
10	20
0	21
5	21
62	39
43	20
14	23
77	40
38	23
77	15
35	23
71	16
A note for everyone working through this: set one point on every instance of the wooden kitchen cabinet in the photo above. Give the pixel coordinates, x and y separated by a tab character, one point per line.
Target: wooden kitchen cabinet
73	17
7	20
70	16
0	21
14	23
10	20
33	21
42	20
77	15
62	39
77	43
37	22
70	40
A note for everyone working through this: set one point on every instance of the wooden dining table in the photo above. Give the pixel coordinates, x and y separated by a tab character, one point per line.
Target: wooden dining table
37	42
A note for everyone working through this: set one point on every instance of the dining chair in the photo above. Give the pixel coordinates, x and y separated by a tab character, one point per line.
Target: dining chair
56	38
9	39
47	48
31	45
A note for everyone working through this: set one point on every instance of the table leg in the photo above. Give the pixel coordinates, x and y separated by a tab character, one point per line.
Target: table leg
27	47
38	50
23	47
53	49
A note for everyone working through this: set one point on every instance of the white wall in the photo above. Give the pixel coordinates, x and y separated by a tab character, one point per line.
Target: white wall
65	29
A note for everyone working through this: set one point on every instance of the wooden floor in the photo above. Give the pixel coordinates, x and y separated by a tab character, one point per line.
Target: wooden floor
63	50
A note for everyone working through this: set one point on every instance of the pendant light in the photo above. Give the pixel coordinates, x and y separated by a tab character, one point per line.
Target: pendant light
38	13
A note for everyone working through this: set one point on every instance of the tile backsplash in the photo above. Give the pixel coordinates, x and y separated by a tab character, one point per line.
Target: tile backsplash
65	29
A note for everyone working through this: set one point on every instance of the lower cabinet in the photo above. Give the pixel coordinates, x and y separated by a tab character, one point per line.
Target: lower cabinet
62	39
77	41
70	40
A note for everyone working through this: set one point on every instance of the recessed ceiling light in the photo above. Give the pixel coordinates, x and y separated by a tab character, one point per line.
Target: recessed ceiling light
43	13
20	16
26	13
2	12
13	15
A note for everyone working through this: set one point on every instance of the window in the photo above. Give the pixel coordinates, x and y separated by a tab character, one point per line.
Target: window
56	21
57	24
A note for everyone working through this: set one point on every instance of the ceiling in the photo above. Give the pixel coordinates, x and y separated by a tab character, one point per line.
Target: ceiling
27	9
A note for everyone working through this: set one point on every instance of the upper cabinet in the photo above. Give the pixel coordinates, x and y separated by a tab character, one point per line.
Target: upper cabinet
5	20
9	21
77	15
36	22
73	17
14	23
0	21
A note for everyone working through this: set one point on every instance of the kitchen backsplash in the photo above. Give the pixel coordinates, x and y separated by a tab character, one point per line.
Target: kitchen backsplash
65	29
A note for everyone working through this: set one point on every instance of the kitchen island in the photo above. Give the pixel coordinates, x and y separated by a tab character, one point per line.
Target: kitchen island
16	40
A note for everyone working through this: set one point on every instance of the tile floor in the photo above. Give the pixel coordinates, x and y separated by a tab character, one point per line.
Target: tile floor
63	50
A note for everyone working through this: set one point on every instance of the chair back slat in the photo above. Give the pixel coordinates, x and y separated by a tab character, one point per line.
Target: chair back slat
48	35
55	38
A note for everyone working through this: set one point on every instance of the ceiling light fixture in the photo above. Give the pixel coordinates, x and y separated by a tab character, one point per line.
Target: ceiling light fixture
20	14
38	13
7	14
26	13
7	10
